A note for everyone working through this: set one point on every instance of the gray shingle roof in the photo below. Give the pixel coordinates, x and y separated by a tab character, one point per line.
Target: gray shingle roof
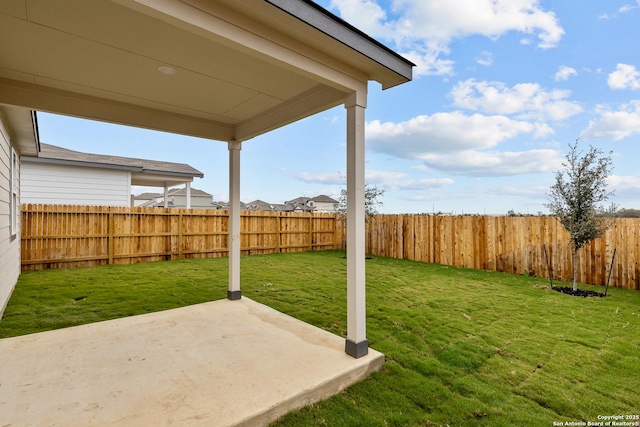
300	200
63	155
183	192
324	199
147	196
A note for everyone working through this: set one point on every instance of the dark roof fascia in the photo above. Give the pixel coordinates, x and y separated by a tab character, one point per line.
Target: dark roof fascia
79	163
335	27
36	130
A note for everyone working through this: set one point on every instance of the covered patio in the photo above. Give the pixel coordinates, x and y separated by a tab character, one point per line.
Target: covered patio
221	363
225	70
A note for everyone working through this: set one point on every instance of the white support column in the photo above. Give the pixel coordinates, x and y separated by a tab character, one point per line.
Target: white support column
188	193
166	196
234	292
356	344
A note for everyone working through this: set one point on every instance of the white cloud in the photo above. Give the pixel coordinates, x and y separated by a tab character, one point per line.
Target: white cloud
623	9
628	7
615	124
564	73
422	30
332	120
478	163
485	58
389	180
457	143
443	132
623	183
380	177
334	178
401	181
428	60
624	77
367	15
526	100
531	191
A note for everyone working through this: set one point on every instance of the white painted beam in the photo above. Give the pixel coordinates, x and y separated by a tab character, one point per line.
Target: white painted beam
234	293
356	344
315	100
166	196
42	98
188	194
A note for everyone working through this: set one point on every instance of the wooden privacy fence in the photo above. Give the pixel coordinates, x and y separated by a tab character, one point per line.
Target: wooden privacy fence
73	236
57	236
508	244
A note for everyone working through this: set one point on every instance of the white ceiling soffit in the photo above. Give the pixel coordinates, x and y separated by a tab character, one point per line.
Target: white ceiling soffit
225	69
22	129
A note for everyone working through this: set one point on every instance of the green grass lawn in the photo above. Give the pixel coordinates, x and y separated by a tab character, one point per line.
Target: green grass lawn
463	347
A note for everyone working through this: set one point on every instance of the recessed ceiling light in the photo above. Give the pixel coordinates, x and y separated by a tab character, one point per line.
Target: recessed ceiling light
168	71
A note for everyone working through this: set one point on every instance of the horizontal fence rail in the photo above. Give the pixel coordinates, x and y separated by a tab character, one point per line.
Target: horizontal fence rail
59	236
508	244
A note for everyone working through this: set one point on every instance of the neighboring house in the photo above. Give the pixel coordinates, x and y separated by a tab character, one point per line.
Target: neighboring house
301	204
325	204
225	205
320	203
177	198
62	176
18	138
260	205
144	199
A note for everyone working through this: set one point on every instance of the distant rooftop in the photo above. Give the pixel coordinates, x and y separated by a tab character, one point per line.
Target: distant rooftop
323	199
173	192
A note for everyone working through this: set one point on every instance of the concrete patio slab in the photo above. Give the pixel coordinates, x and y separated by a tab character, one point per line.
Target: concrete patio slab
221	363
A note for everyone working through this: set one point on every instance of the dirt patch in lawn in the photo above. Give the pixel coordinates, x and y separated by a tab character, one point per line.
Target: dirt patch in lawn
578	292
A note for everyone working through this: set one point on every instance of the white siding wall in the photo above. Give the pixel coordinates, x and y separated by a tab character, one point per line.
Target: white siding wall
74	185
9	247
325	207
196	201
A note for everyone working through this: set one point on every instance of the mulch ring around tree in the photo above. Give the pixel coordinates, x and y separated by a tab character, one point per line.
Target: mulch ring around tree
577	292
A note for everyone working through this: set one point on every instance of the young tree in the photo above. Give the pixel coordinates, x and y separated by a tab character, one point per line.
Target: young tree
577	200
371	200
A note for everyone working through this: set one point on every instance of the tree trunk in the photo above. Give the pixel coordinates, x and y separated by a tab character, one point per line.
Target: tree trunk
575	268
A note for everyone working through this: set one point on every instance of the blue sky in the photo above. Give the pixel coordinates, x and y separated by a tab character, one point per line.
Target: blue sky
501	89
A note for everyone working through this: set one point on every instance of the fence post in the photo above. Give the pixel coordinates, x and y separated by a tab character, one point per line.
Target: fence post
311	232
277	218
110	237
180	254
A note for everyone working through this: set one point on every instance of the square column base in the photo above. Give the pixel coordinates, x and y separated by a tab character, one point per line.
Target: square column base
356	350
234	295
